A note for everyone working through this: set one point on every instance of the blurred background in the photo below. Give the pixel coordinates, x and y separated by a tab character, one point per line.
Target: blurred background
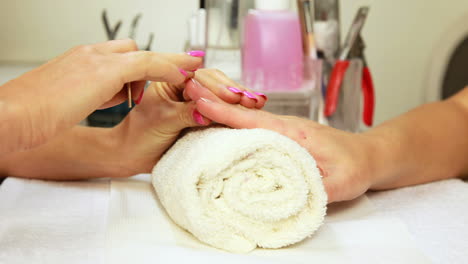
417	50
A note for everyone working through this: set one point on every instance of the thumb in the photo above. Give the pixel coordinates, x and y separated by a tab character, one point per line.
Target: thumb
331	188
189	116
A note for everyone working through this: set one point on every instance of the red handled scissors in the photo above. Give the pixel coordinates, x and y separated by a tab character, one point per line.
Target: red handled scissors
353	48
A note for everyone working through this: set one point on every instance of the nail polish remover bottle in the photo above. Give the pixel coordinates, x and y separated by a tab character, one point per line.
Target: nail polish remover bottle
272	57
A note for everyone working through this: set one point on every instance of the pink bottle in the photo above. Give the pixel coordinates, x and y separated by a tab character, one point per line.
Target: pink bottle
272	58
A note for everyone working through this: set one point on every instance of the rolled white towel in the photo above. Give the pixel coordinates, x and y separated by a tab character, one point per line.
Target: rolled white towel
239	189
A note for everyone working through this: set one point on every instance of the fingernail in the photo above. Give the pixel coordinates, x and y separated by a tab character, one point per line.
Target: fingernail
138	100
183	72
198	117
197	84
249	95
262	95
205	100
196	53
234	90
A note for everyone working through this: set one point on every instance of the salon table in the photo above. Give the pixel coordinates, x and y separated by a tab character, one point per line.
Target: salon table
121	221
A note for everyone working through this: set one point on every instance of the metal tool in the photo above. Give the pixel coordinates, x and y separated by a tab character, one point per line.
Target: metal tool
353	43
367	83
306	17
112	34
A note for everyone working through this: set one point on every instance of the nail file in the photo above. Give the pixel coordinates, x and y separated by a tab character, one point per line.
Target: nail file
129	93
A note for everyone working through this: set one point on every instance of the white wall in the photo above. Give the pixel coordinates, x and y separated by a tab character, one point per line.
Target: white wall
33	30
402	35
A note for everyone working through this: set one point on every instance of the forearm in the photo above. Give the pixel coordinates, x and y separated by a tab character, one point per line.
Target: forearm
28	118
13	125
427	144
80	153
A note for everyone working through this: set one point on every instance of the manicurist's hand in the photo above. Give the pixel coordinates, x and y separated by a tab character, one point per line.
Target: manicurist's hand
43	102
134	146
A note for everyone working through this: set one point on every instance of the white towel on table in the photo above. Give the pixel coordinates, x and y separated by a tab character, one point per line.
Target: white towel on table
53	222
49	222
436	214
236	189
140	231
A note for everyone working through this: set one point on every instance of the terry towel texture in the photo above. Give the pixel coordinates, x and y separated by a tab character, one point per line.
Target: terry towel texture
239	189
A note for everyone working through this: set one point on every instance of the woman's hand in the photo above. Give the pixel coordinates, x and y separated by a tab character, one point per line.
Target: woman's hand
345	160
166	109
426	144
134	146
223	89
62	92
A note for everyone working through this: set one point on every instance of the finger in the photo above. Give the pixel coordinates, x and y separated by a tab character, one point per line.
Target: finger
146	65
247	95
230	115
237	116
194	91
227	89
117	99
117	46
227	92
248	100
188	116
259	98
137	91
185	95
184	61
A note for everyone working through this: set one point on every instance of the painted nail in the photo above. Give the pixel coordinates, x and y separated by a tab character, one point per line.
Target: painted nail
249	95
138	101
197	84
196	53
234	90
198	117
205	100
183	72
262	95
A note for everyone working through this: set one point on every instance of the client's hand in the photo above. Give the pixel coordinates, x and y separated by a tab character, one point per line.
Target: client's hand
344	159
224	89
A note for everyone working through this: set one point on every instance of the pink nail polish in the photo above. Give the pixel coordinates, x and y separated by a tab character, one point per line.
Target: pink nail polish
205	100
196	53
249	95
138	101
183	72
262	95
198	118
234	90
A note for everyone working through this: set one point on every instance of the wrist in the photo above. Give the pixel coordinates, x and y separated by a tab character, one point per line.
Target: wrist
383	164
109	156
134	147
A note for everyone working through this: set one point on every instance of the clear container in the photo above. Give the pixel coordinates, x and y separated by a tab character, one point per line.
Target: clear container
348	114
304	102
223	36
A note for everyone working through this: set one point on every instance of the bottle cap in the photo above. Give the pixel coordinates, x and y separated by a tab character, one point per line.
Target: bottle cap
272	4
